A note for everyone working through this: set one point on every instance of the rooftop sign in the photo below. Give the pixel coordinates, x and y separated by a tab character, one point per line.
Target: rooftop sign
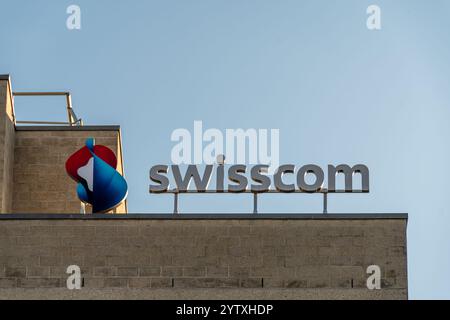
260	181
201	156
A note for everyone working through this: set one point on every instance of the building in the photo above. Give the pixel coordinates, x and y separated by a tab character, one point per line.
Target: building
131	256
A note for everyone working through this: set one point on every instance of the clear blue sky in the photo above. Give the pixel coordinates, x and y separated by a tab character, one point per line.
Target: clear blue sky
338	92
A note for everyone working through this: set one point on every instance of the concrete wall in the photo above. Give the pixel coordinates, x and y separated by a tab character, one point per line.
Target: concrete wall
6	145
161	257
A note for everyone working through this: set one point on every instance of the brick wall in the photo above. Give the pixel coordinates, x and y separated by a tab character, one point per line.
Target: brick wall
41	183
298	254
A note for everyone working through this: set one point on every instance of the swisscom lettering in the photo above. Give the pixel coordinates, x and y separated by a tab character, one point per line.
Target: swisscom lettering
260	181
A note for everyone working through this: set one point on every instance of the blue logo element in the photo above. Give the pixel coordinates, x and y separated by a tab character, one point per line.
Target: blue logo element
99	184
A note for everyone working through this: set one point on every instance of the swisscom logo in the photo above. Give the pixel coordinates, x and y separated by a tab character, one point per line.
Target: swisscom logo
99	184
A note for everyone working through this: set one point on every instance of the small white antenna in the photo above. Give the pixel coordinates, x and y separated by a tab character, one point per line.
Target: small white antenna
220	159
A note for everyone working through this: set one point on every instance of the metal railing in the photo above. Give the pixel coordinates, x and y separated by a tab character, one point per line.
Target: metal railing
73	120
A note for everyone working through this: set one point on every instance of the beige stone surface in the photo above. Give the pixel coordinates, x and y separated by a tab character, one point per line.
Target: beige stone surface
6	146
201	294
297	258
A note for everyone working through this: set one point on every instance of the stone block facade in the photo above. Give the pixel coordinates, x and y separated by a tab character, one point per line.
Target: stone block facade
7	140
144	253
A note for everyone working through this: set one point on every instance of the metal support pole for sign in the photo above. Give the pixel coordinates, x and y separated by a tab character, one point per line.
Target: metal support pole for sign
175	203
176	193
325	203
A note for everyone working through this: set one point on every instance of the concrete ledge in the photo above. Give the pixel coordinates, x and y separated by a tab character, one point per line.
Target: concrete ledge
280	216
202	294
68	128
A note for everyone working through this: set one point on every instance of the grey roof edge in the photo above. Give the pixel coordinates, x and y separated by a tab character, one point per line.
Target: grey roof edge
4	77
280	216
69	128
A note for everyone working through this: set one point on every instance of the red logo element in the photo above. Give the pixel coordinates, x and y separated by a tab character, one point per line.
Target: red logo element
81	158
